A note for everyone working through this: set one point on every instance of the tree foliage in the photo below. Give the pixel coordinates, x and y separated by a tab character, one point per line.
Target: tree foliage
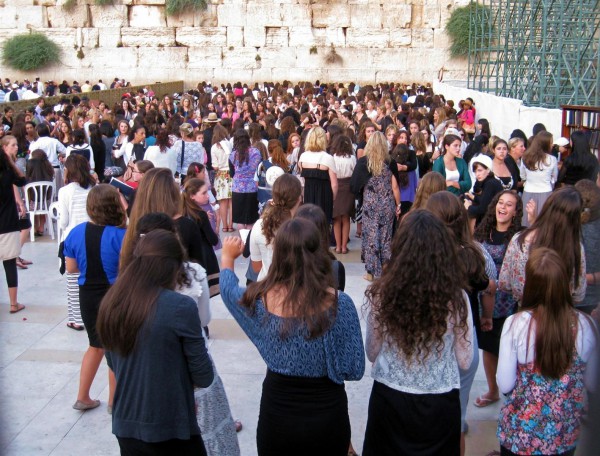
464	20
29	51
180	6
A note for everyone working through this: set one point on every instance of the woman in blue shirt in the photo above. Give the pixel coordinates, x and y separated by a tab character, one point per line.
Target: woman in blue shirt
92	249
309	336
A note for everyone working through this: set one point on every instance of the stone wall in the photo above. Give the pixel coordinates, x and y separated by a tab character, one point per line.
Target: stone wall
246	40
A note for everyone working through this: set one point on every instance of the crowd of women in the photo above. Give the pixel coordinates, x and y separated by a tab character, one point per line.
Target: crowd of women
470	241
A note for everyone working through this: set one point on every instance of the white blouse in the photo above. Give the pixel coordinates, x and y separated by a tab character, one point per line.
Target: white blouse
344	166
542	179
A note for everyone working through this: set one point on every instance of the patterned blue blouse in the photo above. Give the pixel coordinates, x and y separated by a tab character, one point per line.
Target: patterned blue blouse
337	354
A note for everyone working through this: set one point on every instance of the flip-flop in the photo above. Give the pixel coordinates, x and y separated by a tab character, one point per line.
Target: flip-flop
19	308
484	401
24	261
21	265
344	252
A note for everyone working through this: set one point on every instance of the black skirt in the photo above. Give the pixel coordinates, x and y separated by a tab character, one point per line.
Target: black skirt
489	341
244	208
90	297
412	424
302	416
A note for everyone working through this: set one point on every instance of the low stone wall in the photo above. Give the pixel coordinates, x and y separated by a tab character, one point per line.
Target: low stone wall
246	40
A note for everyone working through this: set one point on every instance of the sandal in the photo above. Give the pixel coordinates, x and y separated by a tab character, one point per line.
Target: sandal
368	277
482	401
21	265
344	252
75	326
24	261
358	235
17	308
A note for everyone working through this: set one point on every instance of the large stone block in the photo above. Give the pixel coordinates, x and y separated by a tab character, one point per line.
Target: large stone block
201	36
269	16
277	57
205	57
328	36
207	17
147	16
88	37
221	75
396	15
243	59
64	37
390	59
301	36
185	19
149	2
254	36
231	15
366	16
166	57
400	37
296	15
151	37
366	37
109	16
365	75
109	36
28	16
422	38
440	39
235	36
307	60
277	37
78	16
431	16
329	15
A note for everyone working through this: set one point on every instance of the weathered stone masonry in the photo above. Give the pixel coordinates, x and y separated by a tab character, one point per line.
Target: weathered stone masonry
246	40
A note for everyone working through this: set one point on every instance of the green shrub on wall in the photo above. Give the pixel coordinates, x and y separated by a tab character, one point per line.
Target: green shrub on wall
459	24
29	51
179	6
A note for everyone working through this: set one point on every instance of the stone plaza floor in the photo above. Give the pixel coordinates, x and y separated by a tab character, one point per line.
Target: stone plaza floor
40	359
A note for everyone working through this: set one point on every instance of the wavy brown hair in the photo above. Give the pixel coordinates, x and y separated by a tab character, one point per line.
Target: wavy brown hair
483	232
277	155
286	192
157	192
558	227
104	206
449	209
156	263
420	290
590	197
536	153
431	183
301	270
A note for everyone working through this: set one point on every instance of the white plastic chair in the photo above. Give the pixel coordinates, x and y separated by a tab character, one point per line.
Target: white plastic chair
54	219
38	198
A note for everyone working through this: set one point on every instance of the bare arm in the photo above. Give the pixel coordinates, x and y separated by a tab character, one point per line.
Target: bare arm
334	182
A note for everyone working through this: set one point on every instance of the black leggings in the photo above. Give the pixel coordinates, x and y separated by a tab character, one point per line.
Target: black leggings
10	269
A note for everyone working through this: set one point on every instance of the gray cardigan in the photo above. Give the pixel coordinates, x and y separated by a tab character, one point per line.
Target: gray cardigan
154	398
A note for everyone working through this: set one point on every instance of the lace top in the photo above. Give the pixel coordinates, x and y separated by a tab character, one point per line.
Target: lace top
436	374
337	354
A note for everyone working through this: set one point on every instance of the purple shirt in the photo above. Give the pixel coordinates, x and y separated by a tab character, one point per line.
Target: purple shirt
243	180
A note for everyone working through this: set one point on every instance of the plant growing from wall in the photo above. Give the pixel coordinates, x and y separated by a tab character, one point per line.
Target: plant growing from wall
179	6
333	57
29	51
461	22
313	50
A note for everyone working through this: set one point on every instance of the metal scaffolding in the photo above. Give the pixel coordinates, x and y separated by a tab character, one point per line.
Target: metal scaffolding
544	52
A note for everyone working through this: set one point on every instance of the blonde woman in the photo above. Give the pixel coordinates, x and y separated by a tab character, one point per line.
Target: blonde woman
376	187
318	170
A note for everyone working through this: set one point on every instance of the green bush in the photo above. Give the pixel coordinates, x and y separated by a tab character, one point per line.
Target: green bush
29	52
459	24
179	6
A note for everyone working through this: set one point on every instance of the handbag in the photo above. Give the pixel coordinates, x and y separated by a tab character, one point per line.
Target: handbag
469	128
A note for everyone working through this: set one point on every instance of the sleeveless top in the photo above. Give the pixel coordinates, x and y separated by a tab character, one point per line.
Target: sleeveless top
505	304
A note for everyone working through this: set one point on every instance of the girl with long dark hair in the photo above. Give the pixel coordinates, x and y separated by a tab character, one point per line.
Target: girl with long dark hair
309	336
544	351
155	347
244	162
419	332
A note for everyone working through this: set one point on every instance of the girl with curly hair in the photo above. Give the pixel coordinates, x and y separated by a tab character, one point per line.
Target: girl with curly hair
501	222
419	333
481	274
287	197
